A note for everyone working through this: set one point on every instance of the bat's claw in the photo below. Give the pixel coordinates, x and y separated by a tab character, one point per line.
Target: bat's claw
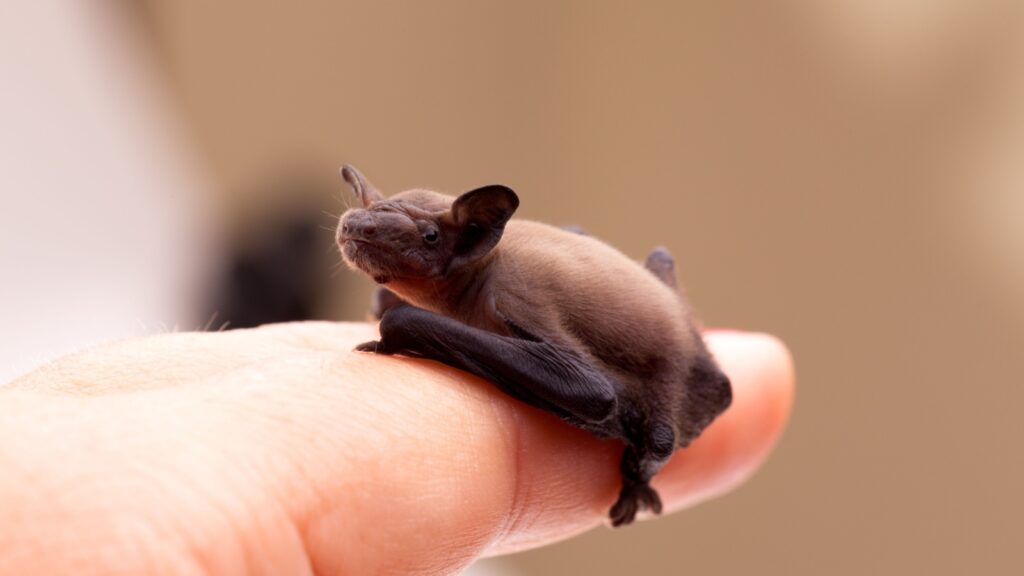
371	346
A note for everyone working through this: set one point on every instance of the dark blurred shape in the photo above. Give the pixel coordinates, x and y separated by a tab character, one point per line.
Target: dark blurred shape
382	301
275	277
273	282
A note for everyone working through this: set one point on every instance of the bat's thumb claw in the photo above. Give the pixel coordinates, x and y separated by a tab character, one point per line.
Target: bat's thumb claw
371	346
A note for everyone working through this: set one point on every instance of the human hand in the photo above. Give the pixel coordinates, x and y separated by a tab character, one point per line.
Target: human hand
279	450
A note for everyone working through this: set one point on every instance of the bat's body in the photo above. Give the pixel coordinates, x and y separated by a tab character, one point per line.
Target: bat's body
559	320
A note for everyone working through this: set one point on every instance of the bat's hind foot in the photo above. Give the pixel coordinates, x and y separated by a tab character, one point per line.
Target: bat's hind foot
662	265
632	499
640	462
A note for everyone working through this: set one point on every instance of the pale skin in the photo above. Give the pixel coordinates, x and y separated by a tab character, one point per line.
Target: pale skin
279	450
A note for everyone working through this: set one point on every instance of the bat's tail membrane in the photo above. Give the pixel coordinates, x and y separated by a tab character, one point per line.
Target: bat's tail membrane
709	393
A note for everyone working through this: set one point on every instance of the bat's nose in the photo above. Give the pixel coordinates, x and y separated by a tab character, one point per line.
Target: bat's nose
357	226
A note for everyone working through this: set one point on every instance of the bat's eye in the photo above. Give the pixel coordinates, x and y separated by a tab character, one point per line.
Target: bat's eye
431	236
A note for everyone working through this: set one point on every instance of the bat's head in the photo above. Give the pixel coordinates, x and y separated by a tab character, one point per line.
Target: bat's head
419	234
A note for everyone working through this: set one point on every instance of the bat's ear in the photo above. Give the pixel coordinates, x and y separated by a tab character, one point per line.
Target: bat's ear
480	216
365	191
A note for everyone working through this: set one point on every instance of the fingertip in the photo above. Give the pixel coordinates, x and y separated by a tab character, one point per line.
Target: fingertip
761	364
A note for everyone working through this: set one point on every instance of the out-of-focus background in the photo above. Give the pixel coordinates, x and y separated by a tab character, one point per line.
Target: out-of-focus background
848	174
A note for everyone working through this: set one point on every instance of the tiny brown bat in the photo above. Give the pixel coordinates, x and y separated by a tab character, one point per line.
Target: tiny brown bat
554	318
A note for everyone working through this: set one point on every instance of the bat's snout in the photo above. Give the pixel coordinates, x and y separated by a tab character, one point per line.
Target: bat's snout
356	225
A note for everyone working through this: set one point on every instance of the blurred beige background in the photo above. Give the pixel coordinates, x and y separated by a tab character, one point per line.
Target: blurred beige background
848	174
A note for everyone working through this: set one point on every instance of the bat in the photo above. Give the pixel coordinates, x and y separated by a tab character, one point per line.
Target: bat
553	317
